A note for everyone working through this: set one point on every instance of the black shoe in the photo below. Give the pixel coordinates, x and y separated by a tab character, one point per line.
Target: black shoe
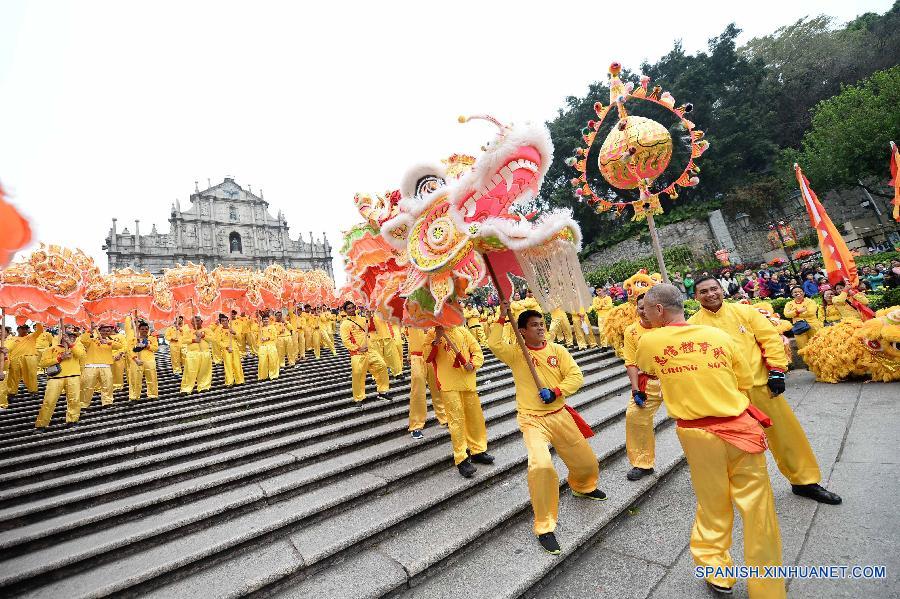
817	492
383	396
417	435
549	543
596	495
482	458
466	469
720	590
638	473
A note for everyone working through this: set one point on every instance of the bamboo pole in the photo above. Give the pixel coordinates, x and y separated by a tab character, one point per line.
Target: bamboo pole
519	339
657	248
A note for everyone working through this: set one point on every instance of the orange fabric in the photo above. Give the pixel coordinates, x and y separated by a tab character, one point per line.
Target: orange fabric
15	232
744	431
895	180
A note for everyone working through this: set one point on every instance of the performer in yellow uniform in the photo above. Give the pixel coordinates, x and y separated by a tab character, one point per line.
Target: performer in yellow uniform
843	305
198	358
456	356
760	344
229	341
100	352
4	370
363	358
560	329
119	365
581	326
601	306
473	322
640	437
266	341
308	327
173	337
141	348
253	335
284	341
213	332
326	330
299	337
23	360
67	354
381	335
702	372
544	417
802	308
420	375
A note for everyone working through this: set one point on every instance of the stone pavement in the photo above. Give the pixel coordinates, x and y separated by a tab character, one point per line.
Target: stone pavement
853	428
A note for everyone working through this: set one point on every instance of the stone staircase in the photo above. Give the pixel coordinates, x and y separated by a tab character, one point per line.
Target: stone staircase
286	489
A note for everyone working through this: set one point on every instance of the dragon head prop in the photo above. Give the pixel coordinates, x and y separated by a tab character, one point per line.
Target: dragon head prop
450	215
637	284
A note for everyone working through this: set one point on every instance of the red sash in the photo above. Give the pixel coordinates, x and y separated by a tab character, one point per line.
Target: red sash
744	431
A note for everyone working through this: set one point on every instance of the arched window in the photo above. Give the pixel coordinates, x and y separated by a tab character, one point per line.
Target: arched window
234	242
232	213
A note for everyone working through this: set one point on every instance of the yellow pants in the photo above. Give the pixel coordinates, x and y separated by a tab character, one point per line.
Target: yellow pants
136	376
560	430
92	377
234	370
118	374
300	344
803	339
786	438
175	355
420	375
292	349
252	343
23	368
315	341
197	370
4	392
268	362
216	354
72	386
283	345
327	338
561	329
640	438
478	332
721	475
307	337
387	349
369	362
466	423
580	336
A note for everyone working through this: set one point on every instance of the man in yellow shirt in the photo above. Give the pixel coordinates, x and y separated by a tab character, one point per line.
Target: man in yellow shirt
842	299
141	348
420	375
198	358
544	417
473	322
23	359
640	437
702	373
266	342
284	341
173	337
326	330
455	356
802	308
363	358
299	337
100	354
601	306
760	343
67	355
229	341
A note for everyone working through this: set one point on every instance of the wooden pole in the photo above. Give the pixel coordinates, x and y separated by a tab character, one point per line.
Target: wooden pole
657	248
519	339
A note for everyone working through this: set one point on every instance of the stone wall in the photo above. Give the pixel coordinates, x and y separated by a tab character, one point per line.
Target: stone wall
752	246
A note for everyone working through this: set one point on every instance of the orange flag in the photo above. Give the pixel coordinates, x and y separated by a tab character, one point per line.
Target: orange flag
15	232
839	262
895	180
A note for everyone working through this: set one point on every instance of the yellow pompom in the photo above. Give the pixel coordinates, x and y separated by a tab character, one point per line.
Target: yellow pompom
462	119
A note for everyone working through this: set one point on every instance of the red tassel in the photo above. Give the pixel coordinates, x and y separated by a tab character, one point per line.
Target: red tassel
580	422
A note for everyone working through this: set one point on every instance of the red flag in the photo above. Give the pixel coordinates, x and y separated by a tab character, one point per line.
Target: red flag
895	180
15	232
839	262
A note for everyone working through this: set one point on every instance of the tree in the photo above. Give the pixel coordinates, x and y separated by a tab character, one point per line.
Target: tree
848	139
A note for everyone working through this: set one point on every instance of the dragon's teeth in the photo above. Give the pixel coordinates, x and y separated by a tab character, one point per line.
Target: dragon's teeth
507	176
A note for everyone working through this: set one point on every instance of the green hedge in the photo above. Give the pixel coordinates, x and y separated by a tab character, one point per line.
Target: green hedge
679	258
873	259
886	299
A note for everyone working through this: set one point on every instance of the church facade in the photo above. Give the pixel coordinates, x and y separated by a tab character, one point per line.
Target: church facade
225	225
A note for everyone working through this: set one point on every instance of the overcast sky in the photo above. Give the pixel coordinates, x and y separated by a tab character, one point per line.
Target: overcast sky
111	108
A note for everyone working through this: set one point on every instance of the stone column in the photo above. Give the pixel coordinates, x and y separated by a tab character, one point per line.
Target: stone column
137	243
212	228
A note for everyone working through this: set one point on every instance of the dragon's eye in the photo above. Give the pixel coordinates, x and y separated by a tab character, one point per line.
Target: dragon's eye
427	184
873	344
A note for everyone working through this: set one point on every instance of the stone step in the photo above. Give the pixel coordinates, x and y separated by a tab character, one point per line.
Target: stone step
261	440
207	541
278	479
